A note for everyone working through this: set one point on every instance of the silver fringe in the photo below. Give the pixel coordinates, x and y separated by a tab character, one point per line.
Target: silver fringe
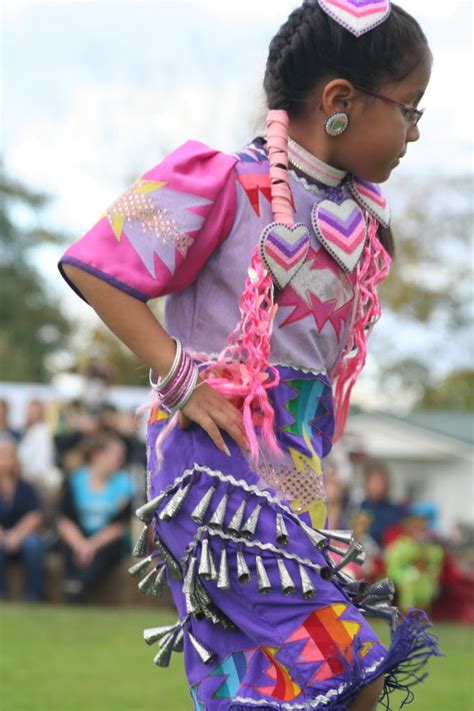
307	588
171	562
140	547
207	568
217	518
188	587
338	535
355	553
204	654
317	539
147	583
138	568
263	581
159	582
178	641
162	659
381	590
243	572
153	634
281	530
236	520
201	508
174	504
250	526
223	580
146	512
287	584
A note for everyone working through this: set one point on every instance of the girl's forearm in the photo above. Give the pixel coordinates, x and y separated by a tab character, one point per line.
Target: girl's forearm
128	318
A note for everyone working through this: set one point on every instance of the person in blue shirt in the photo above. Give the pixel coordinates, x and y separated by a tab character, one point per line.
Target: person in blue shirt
21	519
384	513
95	513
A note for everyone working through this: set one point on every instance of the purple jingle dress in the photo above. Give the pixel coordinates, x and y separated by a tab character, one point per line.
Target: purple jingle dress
267	619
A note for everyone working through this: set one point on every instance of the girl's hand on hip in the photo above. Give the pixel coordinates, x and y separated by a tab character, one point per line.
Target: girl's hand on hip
213	412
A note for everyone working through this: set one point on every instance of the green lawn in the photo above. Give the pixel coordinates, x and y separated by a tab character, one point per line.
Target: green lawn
94	659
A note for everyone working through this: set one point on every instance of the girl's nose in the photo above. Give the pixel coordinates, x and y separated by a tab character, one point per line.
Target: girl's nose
413	134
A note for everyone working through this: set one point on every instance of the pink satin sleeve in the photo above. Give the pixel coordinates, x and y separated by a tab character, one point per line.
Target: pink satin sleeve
156	236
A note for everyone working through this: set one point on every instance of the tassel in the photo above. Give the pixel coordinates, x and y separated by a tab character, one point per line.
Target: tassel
140	547
188	587
207	568
263	581
162	659
178	641
171	562
153	634
159	582
307	587
174	504
204	654
146	512
201	509
243	572
317	539
287	584
340	536
217	518
138	568
147	583
356	551
281	530
237	518
223	581
249	527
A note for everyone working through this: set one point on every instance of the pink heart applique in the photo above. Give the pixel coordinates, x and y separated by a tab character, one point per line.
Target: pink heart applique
357	16
283	250
341	229
371	197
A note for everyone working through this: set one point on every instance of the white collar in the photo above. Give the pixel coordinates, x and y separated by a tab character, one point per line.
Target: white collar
314	167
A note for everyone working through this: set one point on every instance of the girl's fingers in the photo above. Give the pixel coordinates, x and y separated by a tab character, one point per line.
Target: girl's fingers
183	421
214	433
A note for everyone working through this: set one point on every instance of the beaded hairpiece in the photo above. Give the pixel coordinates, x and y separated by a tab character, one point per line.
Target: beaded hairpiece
357	16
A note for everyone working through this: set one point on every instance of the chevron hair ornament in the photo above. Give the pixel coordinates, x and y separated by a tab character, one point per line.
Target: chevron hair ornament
357	16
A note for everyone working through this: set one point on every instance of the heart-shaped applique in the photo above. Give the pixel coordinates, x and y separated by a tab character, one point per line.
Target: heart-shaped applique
357	16
284	249
341	229
371	197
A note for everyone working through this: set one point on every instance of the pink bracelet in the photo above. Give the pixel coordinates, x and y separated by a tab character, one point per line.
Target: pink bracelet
175	389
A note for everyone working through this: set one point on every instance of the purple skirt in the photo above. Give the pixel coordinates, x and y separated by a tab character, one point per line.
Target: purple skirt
268	618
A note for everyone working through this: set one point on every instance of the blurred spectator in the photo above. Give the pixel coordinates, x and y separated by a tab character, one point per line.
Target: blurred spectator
95	514
414	562
337	499
20	520
383	512
5	428
373	566
36	449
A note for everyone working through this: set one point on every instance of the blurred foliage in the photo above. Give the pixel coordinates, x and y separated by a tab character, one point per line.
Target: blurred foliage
455	392
31	323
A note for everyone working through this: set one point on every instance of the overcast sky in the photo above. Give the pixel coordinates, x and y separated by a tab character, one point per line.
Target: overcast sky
95	93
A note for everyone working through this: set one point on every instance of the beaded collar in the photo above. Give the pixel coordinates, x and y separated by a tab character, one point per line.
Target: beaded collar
313	167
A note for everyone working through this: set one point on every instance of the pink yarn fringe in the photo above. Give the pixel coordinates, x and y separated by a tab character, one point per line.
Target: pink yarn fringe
373	268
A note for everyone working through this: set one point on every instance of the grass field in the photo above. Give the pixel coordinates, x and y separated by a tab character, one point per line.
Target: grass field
94	659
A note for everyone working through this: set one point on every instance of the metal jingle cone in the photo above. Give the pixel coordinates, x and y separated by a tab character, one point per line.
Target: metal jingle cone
236	520
243	572
138	568
317	539
338	535
174	504
171	562
356	551
162	659
147	583
382	589
188	587
250	526
287	585
201	508
153	634
159	582
356	588
178	641
217	518
202	598
146	512
386	612
207	569
307	588
223	580
204	654
281	530
140	547
359	558
263	581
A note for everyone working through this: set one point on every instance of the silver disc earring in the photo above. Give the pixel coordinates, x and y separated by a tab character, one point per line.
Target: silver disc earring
337	123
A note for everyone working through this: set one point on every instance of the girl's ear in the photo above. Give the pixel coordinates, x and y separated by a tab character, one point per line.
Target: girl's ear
337	95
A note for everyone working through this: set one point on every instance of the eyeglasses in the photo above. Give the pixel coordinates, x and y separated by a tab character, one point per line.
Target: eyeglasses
411	113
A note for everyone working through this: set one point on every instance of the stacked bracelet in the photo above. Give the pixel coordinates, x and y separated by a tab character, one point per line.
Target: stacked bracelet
175	389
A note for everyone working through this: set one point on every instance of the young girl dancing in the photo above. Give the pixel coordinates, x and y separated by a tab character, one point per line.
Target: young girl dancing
283	245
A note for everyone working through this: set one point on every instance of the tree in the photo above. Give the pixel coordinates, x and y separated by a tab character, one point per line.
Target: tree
32	325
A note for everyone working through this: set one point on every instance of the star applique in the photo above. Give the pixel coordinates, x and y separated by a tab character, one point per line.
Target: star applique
320	288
